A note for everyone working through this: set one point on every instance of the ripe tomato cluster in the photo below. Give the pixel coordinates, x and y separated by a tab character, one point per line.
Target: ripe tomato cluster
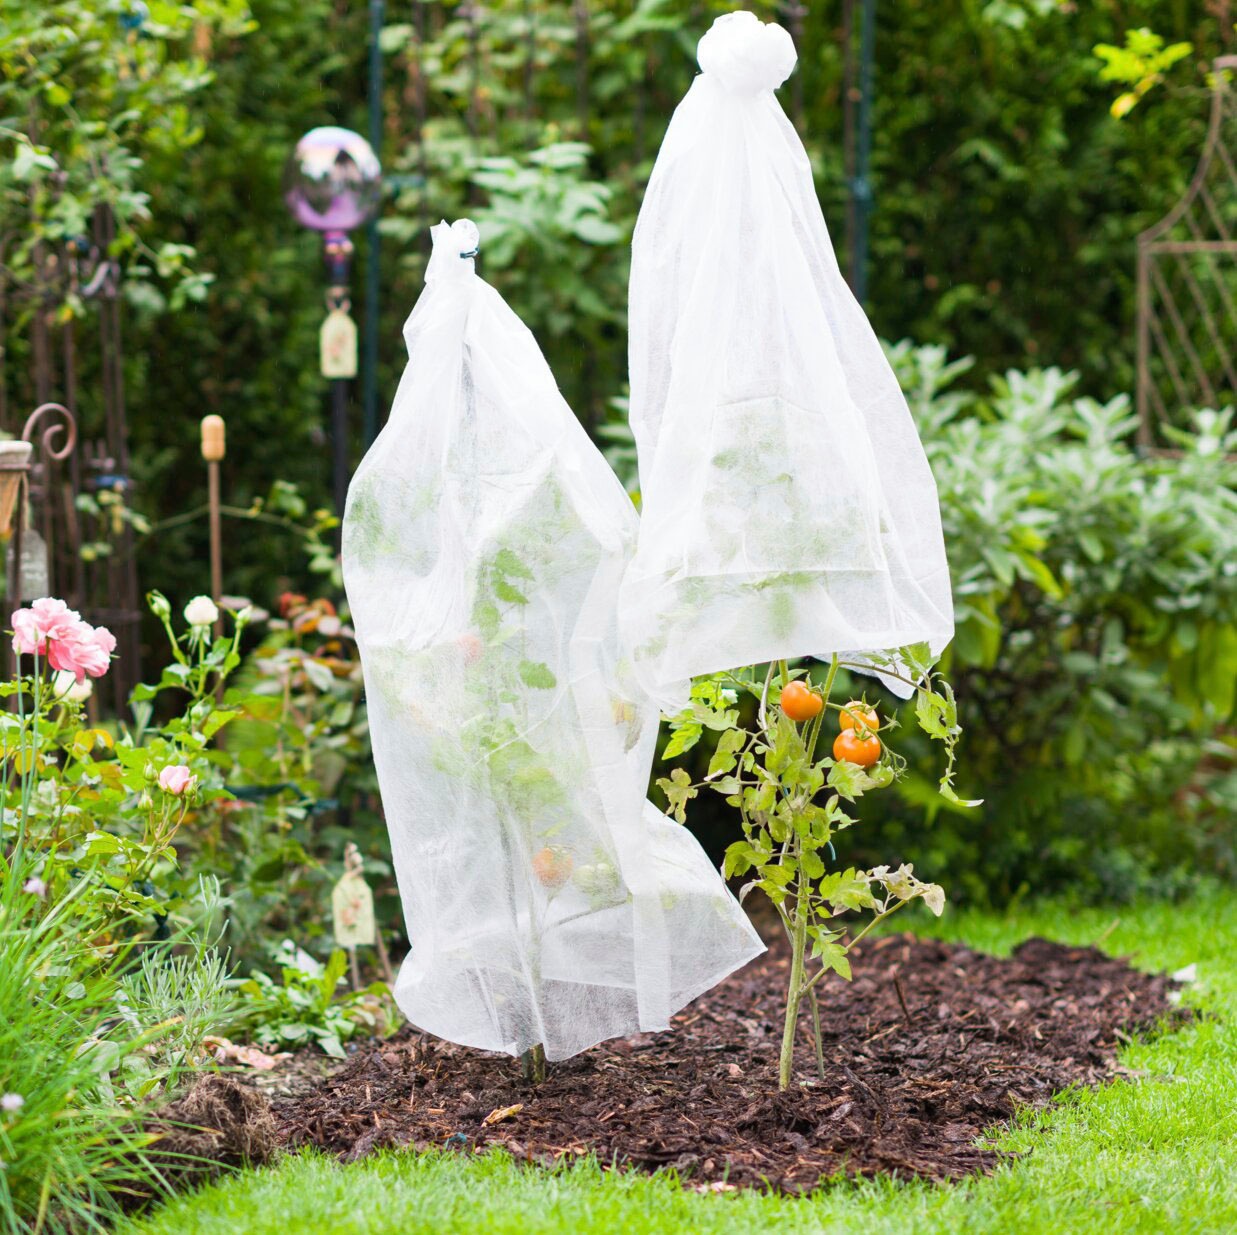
857	742
858	722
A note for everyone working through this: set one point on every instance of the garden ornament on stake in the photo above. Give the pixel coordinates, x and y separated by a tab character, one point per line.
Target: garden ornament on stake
549	905
214	448
788	509
332	185
53	428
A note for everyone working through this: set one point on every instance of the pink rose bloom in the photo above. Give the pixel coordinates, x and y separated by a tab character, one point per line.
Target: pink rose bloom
50	628
92	650
87	651
45	619
177	779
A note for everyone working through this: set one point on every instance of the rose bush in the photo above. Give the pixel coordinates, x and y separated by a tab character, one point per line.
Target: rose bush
111	840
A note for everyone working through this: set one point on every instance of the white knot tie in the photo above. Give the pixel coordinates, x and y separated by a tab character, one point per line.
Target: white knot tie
746	55
455	246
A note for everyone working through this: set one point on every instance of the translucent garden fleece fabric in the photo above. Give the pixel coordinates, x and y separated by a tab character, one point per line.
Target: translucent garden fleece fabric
485	539
788	508
519	626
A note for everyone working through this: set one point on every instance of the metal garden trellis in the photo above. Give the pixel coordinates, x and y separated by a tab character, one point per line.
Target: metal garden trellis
105	589
1187	283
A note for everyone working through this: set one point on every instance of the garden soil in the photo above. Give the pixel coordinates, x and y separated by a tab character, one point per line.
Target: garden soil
927	1051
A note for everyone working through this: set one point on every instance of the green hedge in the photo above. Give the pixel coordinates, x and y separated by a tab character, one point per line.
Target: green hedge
1006	197
1095	659
1096	652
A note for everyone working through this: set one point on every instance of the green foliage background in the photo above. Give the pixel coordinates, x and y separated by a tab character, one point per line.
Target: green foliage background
1007	199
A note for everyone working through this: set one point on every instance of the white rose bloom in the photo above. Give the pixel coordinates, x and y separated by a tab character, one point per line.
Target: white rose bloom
66	686
201	611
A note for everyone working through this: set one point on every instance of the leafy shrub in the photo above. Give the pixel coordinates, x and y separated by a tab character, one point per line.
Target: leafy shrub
112	840
101	809
185	993
66	1144
1096	652
105	988
299	777
304	1006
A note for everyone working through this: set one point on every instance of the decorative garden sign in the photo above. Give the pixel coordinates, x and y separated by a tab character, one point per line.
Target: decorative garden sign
485	538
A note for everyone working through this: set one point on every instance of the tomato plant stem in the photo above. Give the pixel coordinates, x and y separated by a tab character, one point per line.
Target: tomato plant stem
820	1046
532	1064
794	991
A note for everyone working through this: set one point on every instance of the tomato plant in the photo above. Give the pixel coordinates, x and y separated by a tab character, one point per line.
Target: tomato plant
791	805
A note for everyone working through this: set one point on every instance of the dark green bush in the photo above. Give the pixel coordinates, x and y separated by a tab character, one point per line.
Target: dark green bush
1096	652
1095	659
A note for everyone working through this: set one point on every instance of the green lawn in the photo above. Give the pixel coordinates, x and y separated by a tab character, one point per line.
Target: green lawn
1158	1155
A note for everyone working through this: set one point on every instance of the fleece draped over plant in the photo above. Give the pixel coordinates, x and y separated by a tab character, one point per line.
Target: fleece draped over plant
547	901
788	507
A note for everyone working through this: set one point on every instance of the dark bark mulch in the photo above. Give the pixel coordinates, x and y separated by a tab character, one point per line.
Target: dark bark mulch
930	1046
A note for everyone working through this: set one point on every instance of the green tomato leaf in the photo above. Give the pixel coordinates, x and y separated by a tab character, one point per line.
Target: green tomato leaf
849	780
512	595
679	791
685	732
812	866
725	757
738	860
947	792
533	673
833	956
846	889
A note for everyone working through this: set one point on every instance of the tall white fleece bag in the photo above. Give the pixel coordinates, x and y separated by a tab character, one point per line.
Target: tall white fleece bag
788	508
484	541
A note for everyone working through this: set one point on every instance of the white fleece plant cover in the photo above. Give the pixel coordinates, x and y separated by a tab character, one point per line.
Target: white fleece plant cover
788	508
484	541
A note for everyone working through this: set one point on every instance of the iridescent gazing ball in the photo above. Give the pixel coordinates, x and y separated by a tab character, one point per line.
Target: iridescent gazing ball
333	180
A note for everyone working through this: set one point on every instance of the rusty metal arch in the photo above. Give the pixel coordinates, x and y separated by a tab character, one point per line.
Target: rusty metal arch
1187	284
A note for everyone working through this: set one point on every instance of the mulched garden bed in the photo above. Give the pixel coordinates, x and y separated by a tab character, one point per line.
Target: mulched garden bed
929	1047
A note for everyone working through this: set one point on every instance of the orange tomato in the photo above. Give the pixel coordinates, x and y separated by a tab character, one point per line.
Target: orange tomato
552	867
858	716
799	703
849	746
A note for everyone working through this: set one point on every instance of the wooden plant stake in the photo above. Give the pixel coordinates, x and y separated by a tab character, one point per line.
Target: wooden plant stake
532	1064
214	447
383	958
